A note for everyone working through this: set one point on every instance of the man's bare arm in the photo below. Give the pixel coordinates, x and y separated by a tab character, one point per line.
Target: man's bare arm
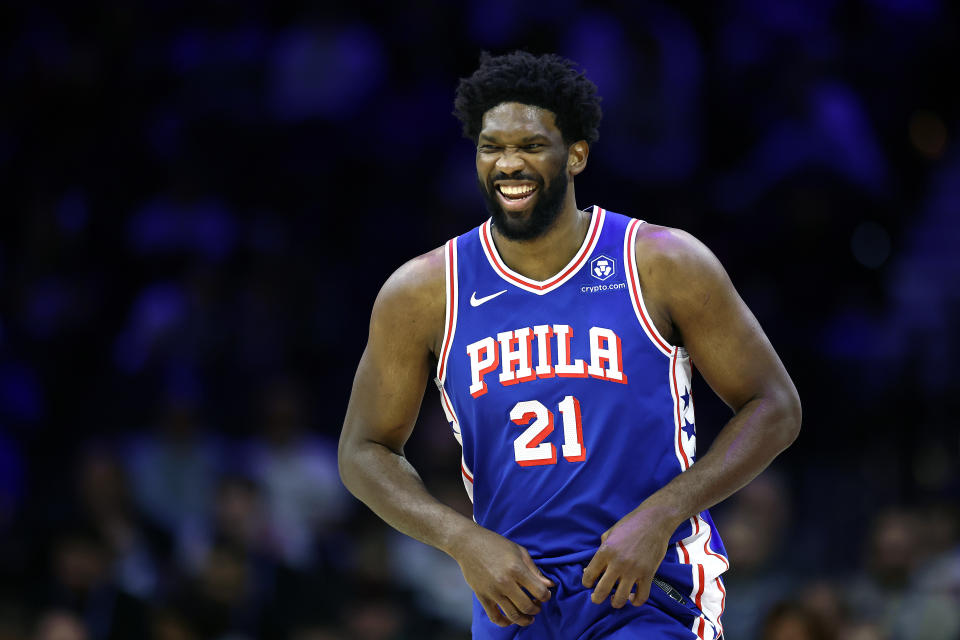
406	328
731	351
385	400
692	297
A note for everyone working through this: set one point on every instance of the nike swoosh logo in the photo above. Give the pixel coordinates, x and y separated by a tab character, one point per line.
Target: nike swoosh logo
476	302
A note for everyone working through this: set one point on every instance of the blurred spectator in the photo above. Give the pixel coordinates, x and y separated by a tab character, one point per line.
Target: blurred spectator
823	599
792	621
60	625
375	611
139	551
237	518
174	468
887	593
240	525
81	582
754	527
173	624
864	631
232	597
939	548
297	470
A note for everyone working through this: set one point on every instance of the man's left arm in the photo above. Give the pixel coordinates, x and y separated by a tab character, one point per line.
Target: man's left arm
725	341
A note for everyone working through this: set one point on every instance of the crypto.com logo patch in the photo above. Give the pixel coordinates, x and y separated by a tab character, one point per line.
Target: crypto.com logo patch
603	267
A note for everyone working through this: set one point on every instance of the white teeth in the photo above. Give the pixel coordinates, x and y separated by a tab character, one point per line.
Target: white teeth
515	191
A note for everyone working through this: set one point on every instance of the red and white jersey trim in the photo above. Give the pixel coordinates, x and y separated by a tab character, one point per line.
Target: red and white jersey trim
449	330
448	411
450	317
706	567
541	287
636	297
467	477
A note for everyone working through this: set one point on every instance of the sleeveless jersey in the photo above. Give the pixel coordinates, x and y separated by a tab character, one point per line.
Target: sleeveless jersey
570	407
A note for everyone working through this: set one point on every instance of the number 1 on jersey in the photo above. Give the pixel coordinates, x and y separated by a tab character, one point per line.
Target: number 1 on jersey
529	447
573	449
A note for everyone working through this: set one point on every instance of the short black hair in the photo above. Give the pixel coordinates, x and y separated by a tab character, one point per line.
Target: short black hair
547	81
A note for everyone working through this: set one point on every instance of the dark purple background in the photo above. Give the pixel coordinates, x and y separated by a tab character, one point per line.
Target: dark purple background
200	204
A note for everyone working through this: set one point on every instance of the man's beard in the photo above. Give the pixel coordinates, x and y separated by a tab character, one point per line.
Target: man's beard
544	214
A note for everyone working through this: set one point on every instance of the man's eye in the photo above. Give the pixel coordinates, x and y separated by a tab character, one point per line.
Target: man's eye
488	148
532	147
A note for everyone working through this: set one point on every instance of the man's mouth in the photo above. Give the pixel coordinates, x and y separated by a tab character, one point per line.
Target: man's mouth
514	197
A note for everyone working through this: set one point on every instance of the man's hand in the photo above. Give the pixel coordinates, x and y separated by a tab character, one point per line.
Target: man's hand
629	554
498	571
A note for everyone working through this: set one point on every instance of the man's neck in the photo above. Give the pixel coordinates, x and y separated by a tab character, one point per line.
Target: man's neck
543	257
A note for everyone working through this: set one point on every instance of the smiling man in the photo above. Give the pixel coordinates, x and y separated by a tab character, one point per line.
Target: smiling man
514	185
562	342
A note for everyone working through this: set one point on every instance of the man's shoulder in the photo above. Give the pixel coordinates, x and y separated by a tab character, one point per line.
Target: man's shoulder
419	280
674	266
412	302
676	269
658	245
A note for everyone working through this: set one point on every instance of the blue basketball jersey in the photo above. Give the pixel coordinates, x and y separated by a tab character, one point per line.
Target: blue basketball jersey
570	407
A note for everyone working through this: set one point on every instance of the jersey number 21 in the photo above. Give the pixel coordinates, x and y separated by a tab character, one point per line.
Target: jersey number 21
529	447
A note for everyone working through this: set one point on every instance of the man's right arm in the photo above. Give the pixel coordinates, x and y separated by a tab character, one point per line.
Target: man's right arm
406	327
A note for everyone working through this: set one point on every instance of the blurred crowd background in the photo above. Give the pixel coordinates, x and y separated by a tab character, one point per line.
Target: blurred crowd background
201	201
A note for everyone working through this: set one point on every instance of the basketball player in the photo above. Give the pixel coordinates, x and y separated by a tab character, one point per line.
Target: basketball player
562	341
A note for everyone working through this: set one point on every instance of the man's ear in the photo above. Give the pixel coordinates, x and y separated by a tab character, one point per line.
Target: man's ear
577	157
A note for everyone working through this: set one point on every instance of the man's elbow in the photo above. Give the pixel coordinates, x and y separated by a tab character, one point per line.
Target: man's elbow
790	415
345	461
357	456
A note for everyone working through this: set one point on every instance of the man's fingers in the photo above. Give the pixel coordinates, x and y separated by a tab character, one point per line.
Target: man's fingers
513	614
593	570
538	591
522	601
642	593
493	612
622	594
603	588
537	584
527	560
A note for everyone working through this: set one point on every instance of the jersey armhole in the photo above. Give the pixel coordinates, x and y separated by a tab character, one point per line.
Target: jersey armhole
636	296
449	331
450	314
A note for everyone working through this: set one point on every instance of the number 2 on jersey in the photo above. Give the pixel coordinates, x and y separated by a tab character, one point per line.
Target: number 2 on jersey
529	447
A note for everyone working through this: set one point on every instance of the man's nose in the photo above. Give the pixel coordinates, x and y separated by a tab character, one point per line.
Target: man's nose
509	162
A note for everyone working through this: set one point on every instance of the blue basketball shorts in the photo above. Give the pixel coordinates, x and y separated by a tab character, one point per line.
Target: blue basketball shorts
570	615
